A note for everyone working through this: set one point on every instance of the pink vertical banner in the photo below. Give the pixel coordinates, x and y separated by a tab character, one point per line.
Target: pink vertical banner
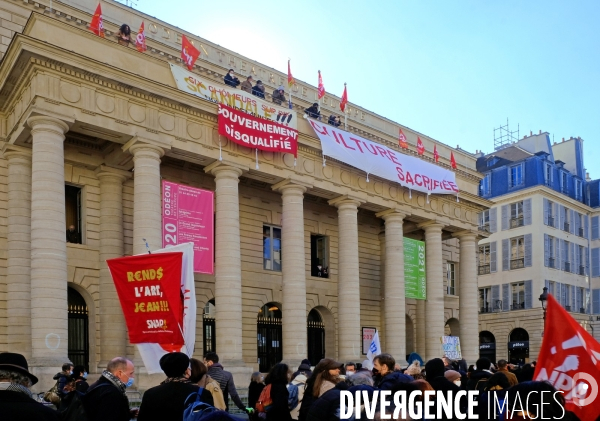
188	216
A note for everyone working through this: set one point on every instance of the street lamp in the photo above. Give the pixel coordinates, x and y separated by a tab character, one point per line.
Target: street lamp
544	300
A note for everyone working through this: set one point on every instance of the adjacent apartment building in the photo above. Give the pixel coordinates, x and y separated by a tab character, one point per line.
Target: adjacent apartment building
544	232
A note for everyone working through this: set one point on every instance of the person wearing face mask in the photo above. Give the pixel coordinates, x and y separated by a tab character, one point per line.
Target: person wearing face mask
167	401
62	378
453	376
231	80
106	399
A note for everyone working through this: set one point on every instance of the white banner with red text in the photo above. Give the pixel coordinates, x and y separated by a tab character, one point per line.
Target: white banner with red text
241	100
257	133
376	159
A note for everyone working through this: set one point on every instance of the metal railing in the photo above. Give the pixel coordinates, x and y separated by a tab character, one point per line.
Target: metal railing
551	263
567	267
550	220
581	232
517	306
582	270
484	270
568	308
566	227
450	290
517	263
486	309
516	222
485	228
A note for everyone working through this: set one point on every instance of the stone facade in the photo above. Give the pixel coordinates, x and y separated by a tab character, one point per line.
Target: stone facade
84	111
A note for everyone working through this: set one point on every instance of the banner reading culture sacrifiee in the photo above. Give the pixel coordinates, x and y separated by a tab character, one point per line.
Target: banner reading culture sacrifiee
415	281
377	159
232	97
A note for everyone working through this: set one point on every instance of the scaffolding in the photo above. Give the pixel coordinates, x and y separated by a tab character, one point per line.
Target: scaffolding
503	136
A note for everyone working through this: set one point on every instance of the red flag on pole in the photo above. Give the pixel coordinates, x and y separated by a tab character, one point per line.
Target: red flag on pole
290	77
420	146
570	360
189	53
96	25
452	160
321	88
344	99
140	39
436	155
402	140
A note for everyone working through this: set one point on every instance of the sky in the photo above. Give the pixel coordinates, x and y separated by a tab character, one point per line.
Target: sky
453	70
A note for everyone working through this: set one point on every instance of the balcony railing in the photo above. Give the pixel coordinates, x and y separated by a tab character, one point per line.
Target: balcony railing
517	264
485	228
568	308
486	309
517	306
567	267
582	270
566	227
550	220
551	262
516	222
582	310
450	290
581	232
484	270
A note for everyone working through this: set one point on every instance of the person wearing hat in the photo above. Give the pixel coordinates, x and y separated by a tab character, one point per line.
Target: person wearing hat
278	95
313	111
453	376
16	400
167	401
247	85
259	89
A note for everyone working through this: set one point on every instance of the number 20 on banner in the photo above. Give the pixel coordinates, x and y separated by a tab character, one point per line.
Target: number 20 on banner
170	235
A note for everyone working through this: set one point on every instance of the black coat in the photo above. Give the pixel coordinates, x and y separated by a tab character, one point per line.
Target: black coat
392	379
106	402
280	410
256	91
231	81
325	408
476	376
442	384
167	401
313	112
254	390
16	406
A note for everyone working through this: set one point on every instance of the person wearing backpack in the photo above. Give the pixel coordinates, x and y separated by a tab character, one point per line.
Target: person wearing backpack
201	378
299	381
276	389
255	388
324	377
168	400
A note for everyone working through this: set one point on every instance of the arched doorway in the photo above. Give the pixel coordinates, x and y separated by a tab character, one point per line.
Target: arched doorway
452	327
518	346
78	325
208	328
315	334
410	336
487	345
268	333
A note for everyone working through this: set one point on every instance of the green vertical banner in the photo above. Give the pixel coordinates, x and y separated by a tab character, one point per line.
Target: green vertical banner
414	269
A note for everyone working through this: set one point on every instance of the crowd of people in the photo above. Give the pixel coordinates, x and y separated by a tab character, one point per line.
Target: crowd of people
308	394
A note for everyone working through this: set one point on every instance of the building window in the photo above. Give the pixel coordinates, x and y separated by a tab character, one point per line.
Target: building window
515	175
484	220
517	253
518	296
516	214
73	214
548	175
581	260
549	207
484	259
564	182
319	259
551	287
485	300
272	248
581	224
578	190
484	185
566	226
566	256
551	262
451	278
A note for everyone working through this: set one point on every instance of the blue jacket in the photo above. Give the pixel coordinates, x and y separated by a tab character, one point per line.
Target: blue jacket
390	380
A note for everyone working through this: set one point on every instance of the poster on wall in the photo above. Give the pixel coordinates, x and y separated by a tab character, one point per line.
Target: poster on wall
415	280
188	216
451	347
368	333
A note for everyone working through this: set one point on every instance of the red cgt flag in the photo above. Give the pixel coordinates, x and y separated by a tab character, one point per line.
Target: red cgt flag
452	160
570	360
344	99
189	53
140	39
290	77
420	146
96	25
436	155
321	88
402	140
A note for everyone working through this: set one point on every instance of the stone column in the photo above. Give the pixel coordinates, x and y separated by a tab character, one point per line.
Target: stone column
113	331
293	271
467	287
394	301
421	327
434	305
49	319
349	335
18	250
228	268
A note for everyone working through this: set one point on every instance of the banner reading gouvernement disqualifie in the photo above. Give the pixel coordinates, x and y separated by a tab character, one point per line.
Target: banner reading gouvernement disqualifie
415	280
232	97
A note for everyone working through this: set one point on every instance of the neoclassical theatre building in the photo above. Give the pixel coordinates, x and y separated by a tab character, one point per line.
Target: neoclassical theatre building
89	129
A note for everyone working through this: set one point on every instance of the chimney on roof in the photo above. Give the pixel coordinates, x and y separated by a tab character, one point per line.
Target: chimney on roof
587	177
540	132
530	133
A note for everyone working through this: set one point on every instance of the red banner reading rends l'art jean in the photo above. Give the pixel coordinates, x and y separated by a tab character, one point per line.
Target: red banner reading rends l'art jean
256	133
149	288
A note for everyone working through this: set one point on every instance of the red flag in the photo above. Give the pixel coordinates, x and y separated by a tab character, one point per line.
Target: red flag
436	155
570	360
452	160
290	77
321	88
140	39
96	25
189	53
402	140
344	99
420	146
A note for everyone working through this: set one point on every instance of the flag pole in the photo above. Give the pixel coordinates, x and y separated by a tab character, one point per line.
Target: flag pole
345	112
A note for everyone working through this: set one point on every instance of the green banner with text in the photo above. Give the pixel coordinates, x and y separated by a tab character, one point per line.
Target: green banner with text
414	269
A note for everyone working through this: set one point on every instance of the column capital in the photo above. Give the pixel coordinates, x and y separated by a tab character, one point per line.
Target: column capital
346	199
291	183
432	225
225	165
48	124
392	214
9	151
138	143
104	172
466	235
